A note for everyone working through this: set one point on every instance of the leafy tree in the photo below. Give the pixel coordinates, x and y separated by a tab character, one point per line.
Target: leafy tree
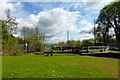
61	44
71	43
78	43
87	42
102	33
33	38
9	25
20	40
110	18
0	30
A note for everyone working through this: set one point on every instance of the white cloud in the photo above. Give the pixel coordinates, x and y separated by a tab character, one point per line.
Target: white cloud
14	8
57	21
4	6
84	33
52	23
78	5
87	27
18	4
96	4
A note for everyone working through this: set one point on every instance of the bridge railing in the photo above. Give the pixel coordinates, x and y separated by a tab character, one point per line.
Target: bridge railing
89	49
98	48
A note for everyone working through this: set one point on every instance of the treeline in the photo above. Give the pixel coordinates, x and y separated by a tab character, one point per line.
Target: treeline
83	43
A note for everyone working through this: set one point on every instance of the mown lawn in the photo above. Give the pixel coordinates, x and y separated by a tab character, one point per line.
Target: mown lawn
58	66
0	66
114	51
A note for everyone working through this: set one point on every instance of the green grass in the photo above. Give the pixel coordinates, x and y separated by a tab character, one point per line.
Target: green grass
91	50
114	51
58	66
94	50
0	67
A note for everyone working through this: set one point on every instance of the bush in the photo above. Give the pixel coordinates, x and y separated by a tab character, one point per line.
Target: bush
11	50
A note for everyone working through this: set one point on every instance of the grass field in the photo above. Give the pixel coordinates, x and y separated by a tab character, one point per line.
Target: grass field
114	51
0	66
58	66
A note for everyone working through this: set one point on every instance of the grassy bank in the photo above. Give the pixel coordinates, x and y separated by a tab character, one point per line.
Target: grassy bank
58	66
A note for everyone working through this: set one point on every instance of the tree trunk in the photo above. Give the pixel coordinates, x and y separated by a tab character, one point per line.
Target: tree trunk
118	40
105	39
117	32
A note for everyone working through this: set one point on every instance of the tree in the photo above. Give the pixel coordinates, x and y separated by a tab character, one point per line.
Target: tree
73	43
9	26
61	44
78	43
87	42
33	38
102	33
39	40
0	30
110	18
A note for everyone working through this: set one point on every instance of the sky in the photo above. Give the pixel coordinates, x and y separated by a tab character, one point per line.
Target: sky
56	18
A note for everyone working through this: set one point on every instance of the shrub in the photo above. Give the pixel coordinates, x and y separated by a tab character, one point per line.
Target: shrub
11	50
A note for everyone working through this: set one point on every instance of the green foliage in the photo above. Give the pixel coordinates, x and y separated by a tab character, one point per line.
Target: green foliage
33	37
109	17
61	44
10	50
113	51
88	42
20	40
9	25
58	66
69	43
78	43
11	40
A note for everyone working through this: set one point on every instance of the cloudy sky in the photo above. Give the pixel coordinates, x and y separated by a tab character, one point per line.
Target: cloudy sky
56	18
